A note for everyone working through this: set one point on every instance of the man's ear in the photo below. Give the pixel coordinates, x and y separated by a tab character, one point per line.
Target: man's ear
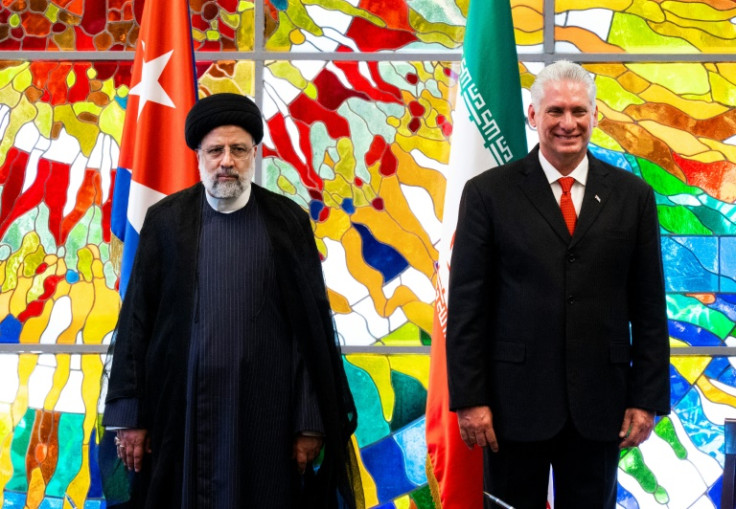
532	115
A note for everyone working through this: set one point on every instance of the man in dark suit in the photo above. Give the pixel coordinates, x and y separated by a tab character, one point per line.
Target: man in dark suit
557	341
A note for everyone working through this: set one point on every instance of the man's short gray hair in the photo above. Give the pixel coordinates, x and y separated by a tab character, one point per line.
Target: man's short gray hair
562	70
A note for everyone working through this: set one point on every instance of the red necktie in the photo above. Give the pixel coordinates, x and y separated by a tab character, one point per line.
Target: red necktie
568	209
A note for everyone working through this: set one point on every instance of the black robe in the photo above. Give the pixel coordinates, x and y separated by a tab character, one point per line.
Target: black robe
151	345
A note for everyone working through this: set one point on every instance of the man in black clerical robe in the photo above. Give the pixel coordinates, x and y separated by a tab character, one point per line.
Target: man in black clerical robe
227	388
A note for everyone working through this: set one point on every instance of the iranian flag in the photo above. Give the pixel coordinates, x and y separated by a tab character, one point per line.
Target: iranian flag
488	131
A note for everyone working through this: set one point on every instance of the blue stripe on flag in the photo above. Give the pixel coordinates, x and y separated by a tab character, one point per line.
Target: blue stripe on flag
126	266
119	214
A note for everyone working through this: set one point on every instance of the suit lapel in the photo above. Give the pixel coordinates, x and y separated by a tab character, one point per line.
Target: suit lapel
536	188
595	198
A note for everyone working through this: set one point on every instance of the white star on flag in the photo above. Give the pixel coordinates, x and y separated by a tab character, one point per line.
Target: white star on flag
149	88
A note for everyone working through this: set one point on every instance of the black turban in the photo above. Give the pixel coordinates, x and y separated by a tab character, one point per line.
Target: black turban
222	109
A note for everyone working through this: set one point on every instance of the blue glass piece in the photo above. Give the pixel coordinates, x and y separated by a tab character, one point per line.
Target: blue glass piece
728	376
280	4
716	367
72	276
726	304
51	503
728	264
382	257
413	443
410	402
714	492
679	386
18	450
686	264
692	334
704	434
385	462
95	480
315	207
13	500
625	499
348	206
10	329
612	157
122	101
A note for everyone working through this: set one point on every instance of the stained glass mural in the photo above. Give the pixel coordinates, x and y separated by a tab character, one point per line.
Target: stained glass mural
362	145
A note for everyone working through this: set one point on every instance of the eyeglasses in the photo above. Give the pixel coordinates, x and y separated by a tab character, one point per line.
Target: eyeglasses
216	152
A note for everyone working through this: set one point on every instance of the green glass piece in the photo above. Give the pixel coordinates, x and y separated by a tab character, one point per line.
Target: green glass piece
681	221
94	231
70	441
661	495
714	221
410	400
691	310
666	431
426	338
663	182
18	451
423	498
371	425
14	20
84	265
42	229
614	94
633	464
32	261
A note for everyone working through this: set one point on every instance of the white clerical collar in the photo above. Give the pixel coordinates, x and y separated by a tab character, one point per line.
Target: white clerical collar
228	205
580	173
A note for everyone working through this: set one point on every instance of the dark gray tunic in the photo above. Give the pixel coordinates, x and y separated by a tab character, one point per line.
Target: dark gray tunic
240	427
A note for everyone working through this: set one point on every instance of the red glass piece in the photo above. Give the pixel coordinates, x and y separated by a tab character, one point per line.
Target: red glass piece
414	124
377	203
370	38
378	146
412	78
416	109
309	111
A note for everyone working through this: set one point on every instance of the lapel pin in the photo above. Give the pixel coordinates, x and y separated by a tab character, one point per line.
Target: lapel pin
597	198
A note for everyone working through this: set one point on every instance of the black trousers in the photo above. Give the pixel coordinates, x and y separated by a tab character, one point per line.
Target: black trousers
584	472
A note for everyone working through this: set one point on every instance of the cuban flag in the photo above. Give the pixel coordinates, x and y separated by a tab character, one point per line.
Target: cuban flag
154	159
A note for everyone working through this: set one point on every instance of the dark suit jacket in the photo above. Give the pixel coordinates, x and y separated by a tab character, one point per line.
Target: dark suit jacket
542	326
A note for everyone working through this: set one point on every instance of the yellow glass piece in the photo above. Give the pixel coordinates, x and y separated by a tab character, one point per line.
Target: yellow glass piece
572	5
602	139
420	313
243	5
426	31
111	121
108	88
103	315
370	491
647	9
18	302
311	91
701	40
335	227
345	166
714	394
287	71
36	489
71	79
44	120
86	107
122	91
361	271
230	19
52	12
416	366
710	156
22	112
699	13
617	97
605	111
5	304
723	90
686	143
35	325
32	261
690	367
698	109
379	369
23	80
403	502
726	149
6	439
92	373
680	78
727	70
341	6
285	185
13	265
26	365
212	35
85	132
527	19
14	20
411	174
84	263
198	35
92	73
60	378
82	297
297	37
338	302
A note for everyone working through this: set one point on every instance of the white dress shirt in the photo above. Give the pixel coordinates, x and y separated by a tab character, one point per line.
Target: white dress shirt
580	174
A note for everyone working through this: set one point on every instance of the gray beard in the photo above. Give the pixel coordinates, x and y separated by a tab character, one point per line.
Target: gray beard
222	190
